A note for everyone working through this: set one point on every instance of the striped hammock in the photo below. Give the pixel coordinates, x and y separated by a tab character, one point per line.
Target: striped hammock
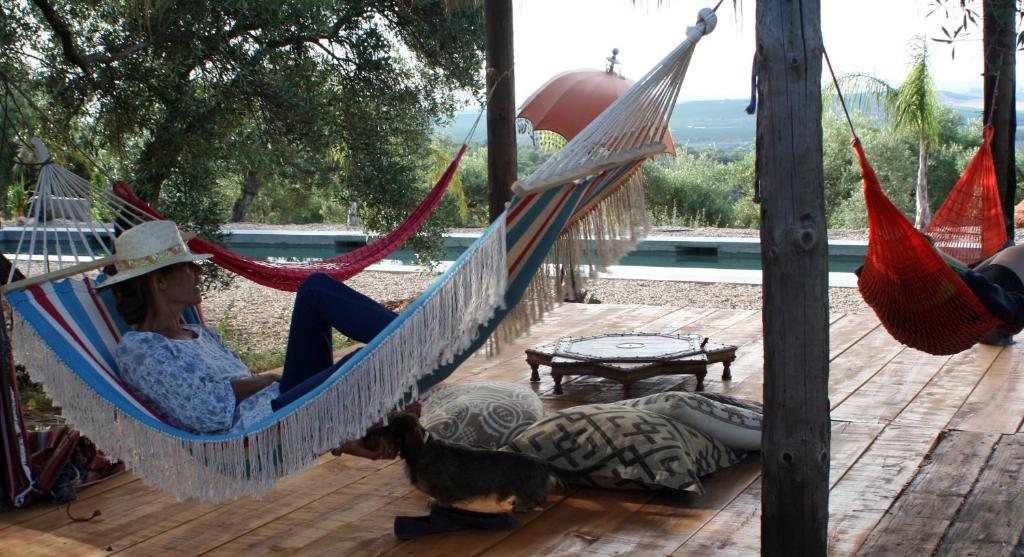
505	281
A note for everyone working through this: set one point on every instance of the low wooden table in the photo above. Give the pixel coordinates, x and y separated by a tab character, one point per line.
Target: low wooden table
630	357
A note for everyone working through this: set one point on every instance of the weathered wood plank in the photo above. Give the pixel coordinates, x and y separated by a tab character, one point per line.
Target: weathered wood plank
890	390
571	526
858	363
736	530
991	521
230	521
666	521
862	496
132	513
997	403
847	331
356	519
916	522
40	508
943	396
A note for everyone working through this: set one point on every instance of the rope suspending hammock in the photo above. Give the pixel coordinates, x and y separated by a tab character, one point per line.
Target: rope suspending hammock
917	295
65	333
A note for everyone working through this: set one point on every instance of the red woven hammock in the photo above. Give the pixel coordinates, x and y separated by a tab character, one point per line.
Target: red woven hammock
969	225
283	276
918	297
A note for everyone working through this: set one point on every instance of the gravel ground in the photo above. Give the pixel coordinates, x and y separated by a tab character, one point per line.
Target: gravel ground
259	316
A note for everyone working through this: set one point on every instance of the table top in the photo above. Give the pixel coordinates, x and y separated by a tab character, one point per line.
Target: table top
630	351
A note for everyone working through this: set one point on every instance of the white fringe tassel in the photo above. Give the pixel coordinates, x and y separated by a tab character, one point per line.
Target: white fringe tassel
587	246
437	330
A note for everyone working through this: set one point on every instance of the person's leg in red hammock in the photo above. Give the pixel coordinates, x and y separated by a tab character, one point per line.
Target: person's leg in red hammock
1004	296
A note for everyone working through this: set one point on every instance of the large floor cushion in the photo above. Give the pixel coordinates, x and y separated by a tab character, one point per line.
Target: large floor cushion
487	415
619	447
731	421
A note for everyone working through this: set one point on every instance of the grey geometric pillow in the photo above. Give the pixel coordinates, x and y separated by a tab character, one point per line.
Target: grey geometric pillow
625	448
735	425
486	415
748	404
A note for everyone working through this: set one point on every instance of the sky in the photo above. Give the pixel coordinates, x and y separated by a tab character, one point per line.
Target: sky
872	36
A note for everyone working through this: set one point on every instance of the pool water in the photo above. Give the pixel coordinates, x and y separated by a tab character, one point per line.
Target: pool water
701	258
673	259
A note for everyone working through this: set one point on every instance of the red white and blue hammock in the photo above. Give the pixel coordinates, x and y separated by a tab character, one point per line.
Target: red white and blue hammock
506	280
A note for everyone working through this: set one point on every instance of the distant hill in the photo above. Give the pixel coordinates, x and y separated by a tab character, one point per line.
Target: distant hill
723	124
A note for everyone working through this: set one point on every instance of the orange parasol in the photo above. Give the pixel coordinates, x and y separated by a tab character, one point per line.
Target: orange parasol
571	100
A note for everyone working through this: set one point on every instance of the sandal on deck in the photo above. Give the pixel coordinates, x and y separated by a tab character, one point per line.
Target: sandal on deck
448	519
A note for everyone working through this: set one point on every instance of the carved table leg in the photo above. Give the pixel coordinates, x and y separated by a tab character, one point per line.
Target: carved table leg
534	375
626	390
726	372
558	382
700	379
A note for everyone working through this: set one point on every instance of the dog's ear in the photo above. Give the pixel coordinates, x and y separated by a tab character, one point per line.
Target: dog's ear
408	433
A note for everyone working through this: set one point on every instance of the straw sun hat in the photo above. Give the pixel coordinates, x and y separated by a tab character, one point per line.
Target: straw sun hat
147	247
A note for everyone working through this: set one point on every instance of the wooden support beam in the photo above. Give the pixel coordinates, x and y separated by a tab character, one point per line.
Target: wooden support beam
796	433
1000	48
501	106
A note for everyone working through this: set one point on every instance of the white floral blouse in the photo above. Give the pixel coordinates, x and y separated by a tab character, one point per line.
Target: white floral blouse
188	382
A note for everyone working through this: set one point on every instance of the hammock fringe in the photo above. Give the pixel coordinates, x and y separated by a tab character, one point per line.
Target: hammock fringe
608	230
222	469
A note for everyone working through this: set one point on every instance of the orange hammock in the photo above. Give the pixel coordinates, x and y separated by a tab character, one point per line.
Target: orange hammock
969	225
918	297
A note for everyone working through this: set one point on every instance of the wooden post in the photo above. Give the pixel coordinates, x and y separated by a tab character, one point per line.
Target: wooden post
794	245
1000	38
501	107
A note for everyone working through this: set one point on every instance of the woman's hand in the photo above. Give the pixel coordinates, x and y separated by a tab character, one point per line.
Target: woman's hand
245	387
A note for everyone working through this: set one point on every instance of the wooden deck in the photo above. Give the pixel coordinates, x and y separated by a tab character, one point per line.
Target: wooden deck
927	457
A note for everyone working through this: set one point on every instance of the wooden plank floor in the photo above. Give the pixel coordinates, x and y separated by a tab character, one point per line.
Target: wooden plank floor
927	458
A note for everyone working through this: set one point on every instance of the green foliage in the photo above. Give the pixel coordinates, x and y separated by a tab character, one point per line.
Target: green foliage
694	189
325	101
708	188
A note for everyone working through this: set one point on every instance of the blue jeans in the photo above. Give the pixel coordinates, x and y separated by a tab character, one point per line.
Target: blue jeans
323	304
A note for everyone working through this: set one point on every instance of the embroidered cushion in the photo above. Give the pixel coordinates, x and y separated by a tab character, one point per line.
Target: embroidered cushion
734	422
619	447
487	415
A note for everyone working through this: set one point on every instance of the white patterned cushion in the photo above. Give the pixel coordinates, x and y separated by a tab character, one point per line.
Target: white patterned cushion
733	422
619	447
487	415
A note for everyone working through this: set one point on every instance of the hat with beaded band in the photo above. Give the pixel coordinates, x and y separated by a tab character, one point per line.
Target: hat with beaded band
147	247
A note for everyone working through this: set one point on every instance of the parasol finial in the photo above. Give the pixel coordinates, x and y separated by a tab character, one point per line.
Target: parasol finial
613	61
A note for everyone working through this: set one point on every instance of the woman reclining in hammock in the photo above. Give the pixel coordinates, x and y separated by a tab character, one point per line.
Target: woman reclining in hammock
187	374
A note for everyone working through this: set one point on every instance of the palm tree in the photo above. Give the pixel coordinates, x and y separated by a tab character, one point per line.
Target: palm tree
913	106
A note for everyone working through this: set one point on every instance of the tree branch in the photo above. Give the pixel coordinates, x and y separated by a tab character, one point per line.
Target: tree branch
71	51
67	40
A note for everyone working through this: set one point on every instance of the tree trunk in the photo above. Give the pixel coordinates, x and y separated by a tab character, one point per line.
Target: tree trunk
251	185
501	107
923	214
1000	36
794	244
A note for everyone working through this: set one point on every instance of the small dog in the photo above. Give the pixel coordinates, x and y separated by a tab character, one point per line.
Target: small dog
467	478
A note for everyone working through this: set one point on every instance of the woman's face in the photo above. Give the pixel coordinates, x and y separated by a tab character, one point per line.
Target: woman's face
180	284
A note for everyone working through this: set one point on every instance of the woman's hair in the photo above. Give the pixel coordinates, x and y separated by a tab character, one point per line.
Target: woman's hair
132	296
